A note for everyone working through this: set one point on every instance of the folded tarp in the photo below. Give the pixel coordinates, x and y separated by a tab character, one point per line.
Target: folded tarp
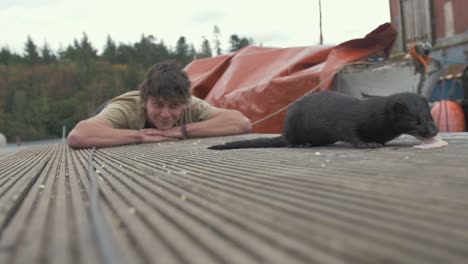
261	82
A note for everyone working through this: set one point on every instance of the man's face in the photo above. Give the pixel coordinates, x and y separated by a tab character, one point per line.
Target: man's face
163	114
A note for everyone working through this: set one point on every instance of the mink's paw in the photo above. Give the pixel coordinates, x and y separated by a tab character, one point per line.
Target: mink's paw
374	145
365	145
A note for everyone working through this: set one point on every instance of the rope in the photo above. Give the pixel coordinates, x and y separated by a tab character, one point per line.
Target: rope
285	107
100	229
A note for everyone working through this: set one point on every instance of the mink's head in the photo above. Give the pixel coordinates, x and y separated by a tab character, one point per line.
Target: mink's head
410	114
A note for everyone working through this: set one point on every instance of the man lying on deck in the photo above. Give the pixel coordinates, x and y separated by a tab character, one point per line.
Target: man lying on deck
163	109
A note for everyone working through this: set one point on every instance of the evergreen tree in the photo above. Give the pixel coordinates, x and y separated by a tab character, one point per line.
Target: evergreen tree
193	53
237	43
7	57
217	42
162	52
143	50
60	53
86	48
82	51
71	52
125	53
132	76
84	55
110	51
148	52
182	51
31	54
47	55
205	49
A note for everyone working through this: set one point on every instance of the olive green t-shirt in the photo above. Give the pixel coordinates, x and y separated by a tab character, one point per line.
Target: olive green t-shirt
126	112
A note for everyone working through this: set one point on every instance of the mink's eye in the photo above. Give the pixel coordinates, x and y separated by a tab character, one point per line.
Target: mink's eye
418	121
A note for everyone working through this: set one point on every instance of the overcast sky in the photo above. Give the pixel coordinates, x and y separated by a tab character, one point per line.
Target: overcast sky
271	23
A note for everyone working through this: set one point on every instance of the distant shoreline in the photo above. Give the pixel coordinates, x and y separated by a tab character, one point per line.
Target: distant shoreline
36	142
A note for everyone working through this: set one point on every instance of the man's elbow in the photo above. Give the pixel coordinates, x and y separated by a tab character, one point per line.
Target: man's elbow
244	124
75	140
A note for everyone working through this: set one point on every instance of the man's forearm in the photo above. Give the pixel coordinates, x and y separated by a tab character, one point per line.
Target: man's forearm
102	136
94	133
228	123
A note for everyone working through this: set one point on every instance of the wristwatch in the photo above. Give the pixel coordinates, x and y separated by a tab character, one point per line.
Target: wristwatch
183	129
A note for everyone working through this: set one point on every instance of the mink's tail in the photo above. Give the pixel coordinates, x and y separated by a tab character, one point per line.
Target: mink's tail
275	142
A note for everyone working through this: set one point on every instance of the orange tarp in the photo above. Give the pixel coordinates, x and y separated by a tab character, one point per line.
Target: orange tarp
259	81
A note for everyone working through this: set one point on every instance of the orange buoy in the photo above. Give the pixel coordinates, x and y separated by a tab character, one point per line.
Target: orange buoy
448	116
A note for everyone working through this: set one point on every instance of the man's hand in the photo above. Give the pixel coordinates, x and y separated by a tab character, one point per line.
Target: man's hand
173	132
155	135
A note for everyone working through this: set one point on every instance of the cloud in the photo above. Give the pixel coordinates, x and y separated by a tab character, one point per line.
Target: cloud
270	38
212	17
274	24
6	4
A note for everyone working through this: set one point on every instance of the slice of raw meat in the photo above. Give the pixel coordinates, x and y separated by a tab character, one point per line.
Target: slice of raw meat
434	142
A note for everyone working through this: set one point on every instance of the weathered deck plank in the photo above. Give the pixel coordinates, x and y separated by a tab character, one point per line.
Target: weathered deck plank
181	203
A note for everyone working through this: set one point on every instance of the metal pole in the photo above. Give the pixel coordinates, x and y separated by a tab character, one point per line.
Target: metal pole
64	129
320	17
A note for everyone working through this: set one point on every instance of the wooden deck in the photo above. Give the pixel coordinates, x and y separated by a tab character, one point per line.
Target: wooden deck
181	203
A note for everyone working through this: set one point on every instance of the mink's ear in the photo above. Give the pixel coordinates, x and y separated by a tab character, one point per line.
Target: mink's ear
400	108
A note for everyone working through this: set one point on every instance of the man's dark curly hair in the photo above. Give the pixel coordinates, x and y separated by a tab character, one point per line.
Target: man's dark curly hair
168	81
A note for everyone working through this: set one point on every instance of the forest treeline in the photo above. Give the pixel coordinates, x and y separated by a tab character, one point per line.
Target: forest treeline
42	90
